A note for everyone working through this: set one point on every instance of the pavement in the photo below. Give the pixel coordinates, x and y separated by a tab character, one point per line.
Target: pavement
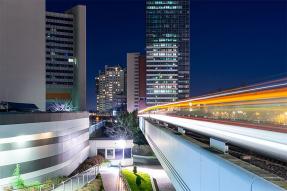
111	179
113	182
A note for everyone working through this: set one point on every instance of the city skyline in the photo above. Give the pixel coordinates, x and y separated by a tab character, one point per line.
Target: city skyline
220	35
133	57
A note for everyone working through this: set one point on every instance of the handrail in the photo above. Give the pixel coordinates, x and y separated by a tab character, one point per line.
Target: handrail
125	181
67	185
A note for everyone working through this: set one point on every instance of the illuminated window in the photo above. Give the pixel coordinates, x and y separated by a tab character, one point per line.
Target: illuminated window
110	153
118	154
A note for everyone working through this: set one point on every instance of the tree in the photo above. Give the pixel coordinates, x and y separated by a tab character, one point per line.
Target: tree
138	180
118	132
130	120
61	106
135	169
19	182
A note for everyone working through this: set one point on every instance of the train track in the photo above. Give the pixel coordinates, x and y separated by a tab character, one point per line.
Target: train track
274	166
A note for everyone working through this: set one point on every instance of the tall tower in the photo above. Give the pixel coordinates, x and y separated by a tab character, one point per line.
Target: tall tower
66	57
167	50
110	89
136	81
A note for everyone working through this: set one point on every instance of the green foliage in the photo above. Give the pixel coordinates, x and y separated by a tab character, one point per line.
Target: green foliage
135	169
89	163
130	120
48	183
33	187
137	182
19	182
99	177
143	150
95	185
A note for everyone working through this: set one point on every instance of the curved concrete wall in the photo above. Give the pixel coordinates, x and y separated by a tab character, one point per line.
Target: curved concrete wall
51	144
191	167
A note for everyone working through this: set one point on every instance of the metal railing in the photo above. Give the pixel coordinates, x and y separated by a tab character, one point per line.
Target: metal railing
96	126
71	184
79	180
126	184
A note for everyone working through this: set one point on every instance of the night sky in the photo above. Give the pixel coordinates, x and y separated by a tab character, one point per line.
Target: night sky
232	42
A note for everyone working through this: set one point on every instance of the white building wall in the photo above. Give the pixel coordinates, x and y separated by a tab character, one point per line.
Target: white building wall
111	144
22	51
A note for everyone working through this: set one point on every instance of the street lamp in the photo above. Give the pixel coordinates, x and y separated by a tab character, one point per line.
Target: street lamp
122	145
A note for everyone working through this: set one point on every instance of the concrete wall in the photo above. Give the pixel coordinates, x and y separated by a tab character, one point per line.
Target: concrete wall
22	51
79	96
191	167
44	144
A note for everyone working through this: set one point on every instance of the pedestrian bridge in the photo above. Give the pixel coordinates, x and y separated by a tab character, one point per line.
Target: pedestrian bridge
230	141
194	166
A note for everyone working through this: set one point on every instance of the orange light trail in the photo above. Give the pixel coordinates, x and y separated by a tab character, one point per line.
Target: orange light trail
263	95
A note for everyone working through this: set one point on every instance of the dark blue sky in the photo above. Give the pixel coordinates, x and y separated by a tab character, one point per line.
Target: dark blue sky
232	42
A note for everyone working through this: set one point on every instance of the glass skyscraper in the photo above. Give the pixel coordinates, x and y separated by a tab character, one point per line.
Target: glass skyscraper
167	50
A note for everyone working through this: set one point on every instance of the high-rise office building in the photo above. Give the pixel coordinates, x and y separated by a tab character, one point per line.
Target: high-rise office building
167	50
111	89
66	57
136	81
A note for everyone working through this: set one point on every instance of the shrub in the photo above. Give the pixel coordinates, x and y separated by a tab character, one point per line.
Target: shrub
88	163
19	182
138	181
135	169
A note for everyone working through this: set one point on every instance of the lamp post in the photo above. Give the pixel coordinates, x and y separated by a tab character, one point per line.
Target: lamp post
122	145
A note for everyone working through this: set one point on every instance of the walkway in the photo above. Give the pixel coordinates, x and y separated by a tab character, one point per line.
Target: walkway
111	179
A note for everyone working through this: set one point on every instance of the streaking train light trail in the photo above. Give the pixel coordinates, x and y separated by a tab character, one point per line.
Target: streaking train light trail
264	104
252	117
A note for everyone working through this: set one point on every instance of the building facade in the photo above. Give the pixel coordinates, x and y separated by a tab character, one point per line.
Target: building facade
167	50
136	81
43	144
60	37
111	89
22	52
113	150
66	57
